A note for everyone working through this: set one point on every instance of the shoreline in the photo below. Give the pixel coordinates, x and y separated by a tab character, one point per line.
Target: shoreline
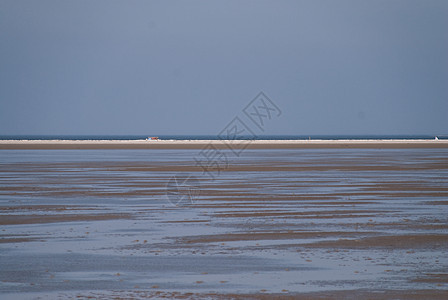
219	144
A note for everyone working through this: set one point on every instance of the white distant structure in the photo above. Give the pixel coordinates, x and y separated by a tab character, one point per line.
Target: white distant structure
436	138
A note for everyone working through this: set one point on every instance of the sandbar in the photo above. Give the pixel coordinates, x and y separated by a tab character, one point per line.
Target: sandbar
220	144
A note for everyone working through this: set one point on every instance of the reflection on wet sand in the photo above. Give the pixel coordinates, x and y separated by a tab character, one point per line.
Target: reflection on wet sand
279	222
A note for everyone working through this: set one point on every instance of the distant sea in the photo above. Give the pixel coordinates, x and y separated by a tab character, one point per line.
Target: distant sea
215	137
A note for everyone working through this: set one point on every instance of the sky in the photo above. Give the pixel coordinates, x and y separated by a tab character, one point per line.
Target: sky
347	67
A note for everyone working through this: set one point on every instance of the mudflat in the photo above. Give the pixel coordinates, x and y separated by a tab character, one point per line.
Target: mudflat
328	222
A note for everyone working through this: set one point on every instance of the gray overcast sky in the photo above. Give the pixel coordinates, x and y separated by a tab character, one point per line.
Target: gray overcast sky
189	67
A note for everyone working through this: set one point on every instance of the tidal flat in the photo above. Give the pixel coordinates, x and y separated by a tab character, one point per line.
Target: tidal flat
289	223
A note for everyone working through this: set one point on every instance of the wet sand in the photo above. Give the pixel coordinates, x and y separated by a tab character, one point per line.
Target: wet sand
285	223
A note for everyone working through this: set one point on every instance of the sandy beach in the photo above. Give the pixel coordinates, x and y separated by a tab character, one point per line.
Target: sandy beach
220	144
335	221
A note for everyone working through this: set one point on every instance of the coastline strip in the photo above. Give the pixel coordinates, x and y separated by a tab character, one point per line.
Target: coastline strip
219	144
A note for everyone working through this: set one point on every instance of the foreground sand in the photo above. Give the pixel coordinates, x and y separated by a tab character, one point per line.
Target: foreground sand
220	144
292	224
